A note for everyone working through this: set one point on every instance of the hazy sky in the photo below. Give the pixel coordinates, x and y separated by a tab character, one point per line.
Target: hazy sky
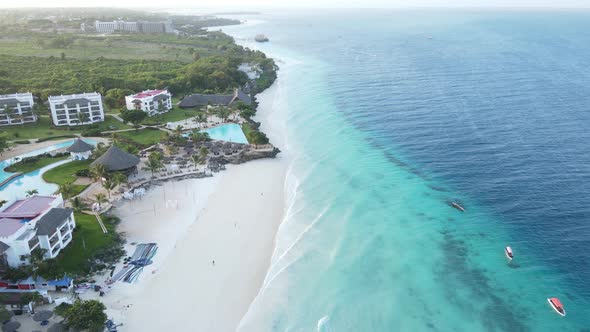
237	4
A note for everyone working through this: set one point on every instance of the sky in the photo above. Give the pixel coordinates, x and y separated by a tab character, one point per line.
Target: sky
245	4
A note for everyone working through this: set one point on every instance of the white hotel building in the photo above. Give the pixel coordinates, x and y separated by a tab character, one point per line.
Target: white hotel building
75	110
16	108
150	101
31	223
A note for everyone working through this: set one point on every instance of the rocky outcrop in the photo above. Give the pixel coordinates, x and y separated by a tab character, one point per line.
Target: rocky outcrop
244	156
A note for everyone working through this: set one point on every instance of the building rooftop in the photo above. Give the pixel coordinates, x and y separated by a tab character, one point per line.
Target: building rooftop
9	226
28	208
116	159
53	219
148	93
80	146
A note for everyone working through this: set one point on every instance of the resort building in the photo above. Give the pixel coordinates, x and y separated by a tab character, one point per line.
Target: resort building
136	27
150	101
75	110
117	160
16	108
199	100
80	150
31	223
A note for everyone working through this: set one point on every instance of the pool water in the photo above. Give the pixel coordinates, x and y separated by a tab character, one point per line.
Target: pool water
17	187
230	132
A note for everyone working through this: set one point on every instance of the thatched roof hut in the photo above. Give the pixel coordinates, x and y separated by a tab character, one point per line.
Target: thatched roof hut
117	160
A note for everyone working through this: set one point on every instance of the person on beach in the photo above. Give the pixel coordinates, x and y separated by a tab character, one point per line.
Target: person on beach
213	262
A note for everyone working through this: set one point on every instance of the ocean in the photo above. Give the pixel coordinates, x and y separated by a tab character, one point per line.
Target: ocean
392	114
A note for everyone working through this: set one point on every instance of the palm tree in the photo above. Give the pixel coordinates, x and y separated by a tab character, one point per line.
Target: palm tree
109	185
196	159
152	165
178	131
31	192
78	205
99	150
36	258
203	152
119	178
83	117
66	189
171	149
100	198
98	172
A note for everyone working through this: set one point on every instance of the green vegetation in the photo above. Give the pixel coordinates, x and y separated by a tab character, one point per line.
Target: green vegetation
175	114
45	129
86	315
253	135
142	137
87	240
66	174
30	164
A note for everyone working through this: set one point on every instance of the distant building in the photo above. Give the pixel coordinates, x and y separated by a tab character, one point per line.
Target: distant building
77	109
31	223
16	108
105	27
80	150
150	101
137	27
199	100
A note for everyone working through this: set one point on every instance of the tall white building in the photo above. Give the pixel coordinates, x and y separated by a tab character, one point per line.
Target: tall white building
35	222
16	108
77	109
145	27
150	101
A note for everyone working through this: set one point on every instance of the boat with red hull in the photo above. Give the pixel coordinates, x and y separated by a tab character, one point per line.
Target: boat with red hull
556	305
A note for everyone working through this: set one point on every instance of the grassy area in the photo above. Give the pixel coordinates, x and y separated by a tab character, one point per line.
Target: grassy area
87	239
44	128
175	114
143	137
25	167
127	47
247	129
67	172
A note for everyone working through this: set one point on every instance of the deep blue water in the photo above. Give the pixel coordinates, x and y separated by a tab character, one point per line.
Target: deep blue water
394	113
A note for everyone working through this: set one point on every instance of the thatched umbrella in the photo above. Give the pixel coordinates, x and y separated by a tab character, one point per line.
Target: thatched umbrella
227	145
208	144
57	327
42	315
10	326
227	151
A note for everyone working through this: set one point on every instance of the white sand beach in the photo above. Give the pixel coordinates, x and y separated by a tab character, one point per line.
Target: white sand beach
215	237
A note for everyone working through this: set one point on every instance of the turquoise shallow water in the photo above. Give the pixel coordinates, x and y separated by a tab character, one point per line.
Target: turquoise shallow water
228	132
386	124
17	187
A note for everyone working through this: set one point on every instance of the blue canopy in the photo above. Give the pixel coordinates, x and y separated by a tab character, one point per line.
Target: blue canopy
64	282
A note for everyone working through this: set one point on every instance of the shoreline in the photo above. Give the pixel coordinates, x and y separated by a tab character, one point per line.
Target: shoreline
231	218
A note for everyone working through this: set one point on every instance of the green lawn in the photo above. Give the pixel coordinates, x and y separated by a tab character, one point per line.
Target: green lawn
29	167
67	172
143	137
44	128
175	114
86	240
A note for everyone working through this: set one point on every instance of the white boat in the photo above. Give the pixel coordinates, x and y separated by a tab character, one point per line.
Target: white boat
509	253
457	206
556	305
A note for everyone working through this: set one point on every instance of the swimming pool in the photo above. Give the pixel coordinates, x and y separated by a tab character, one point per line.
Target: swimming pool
17	187
230	132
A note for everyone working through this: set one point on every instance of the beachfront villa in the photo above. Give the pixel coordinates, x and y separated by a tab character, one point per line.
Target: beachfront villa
80	150
31	223
16	108
77	109
117	160
137	27
200	100
150	101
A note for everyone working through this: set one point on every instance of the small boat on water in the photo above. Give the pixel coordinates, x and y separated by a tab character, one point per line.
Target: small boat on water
509	253
556	305
457	206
